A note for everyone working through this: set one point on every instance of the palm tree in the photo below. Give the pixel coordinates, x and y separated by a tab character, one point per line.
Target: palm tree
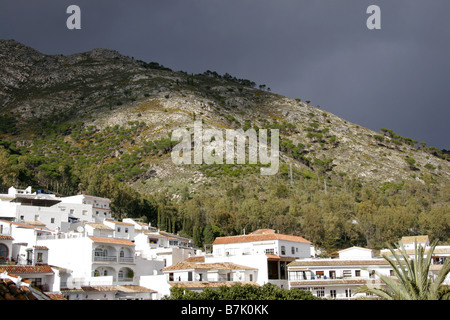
412	279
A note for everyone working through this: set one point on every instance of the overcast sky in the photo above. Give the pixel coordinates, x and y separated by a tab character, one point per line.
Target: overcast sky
397	77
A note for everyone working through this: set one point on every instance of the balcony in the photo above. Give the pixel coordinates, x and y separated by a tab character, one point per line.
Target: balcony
126	259
4	231
113	259
105	259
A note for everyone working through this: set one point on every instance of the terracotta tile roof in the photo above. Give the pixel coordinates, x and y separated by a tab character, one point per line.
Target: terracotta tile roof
133	288
10	291
18	269
437	251
318	283
260	235
3	237
195	259
336	262
118	288
174	236
91	289
55	296
123	223
412	239
35	223
24	225
99	226
112	241
40	247
202	285
211	266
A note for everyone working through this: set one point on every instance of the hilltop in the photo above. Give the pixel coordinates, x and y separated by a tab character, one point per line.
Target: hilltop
60	115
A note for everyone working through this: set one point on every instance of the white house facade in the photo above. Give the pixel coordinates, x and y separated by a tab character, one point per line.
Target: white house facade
264	249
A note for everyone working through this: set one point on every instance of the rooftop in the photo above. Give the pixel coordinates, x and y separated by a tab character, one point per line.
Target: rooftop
336	262
211	266
112	241
260	235
202	285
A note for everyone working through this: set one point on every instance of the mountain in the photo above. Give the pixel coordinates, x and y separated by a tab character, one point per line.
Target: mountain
61	114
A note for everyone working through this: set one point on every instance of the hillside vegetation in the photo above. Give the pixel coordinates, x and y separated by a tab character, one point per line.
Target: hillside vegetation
101	123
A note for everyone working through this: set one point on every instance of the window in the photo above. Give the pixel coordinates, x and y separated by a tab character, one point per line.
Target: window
333	293
190	276
118	229
269	251
126	230
320	293
283	250
357	273
292	250
39	257
99	252
348	293
37	282
52	220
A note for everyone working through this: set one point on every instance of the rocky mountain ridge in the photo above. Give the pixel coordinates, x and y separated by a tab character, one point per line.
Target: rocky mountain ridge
103	89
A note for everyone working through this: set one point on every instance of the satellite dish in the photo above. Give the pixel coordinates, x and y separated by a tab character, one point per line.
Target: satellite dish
80	229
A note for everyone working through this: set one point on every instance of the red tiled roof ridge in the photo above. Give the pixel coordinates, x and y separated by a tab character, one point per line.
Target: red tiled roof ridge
212	265
18	269
112	240
260	235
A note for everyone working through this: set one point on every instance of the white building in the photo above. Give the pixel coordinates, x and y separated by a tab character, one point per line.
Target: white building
21	255
23	247
55	213
92	259
440	253
97	208
264	249
338	278
167	247
197	276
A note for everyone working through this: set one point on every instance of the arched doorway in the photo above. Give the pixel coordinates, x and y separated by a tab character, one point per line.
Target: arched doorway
4	253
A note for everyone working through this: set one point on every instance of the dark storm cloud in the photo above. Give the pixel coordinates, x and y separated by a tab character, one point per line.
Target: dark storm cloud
321	50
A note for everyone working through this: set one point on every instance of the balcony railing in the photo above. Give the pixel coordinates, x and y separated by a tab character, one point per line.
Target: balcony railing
105	258
113	259
126	259
125	279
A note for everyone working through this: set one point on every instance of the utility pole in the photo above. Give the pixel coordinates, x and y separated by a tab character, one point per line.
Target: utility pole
290	172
